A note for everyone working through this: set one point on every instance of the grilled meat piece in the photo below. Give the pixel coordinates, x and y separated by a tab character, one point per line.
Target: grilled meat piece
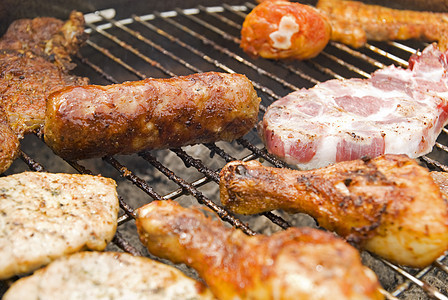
354	23
441	179
92	121
388	205
34	62
107	275
26	80
9	144
397	111
44	216
298	263
282	29
53	39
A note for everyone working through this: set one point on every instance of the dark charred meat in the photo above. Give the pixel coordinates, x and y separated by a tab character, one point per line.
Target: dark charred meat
298	263
51	38
388	205
354	23
93	121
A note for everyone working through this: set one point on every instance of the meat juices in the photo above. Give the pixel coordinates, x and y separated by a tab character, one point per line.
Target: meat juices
396	111
93	121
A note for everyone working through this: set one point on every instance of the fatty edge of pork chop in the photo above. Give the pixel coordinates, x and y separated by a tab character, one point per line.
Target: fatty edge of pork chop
107	275
44	216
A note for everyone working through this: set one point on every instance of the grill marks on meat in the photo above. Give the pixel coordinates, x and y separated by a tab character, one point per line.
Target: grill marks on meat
398	111
353	23
284	265
107	275
53	39
44	216
388	205
34	62
92	121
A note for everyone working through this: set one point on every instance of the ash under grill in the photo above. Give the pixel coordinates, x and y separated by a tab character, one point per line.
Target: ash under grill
185	41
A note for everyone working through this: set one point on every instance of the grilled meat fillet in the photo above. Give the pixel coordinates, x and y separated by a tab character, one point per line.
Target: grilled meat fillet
26	80
282	29
34	62
107	275
93	121
299	263
354	23
44	216
51	38
388	205
397	111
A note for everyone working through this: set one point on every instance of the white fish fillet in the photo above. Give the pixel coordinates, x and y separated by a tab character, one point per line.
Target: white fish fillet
44	216
107	275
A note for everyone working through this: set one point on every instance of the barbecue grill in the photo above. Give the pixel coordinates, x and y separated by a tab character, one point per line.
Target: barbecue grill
132	41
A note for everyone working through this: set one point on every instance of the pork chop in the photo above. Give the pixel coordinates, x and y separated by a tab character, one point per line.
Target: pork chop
44	216
396	111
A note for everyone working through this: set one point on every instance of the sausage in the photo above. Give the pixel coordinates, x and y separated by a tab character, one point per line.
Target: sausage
94	121
285	30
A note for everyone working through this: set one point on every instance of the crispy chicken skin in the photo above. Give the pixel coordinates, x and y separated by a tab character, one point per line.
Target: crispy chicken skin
298	263
388	205
282	29
93	121
51	38
354	23
107	275
44	216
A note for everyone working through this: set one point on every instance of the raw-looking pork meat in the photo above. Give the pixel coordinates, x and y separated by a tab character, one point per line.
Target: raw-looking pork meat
396	111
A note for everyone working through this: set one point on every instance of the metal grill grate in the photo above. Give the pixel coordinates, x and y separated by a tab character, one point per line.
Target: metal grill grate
183	41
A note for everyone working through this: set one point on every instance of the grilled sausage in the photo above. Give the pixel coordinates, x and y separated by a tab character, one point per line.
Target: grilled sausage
93	121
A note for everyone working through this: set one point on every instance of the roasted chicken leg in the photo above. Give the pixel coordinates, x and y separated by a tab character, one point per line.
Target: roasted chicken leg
298	263
388	205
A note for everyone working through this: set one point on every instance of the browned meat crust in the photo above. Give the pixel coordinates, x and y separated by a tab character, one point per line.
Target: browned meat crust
34	62
9	144
53	39
353	23
390	205
284	265
92	121
26	80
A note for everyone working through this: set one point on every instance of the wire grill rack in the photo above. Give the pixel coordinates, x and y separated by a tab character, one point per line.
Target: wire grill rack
185	41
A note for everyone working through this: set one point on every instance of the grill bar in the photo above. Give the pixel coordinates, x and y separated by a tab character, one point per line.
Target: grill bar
159	38
210	174
257	152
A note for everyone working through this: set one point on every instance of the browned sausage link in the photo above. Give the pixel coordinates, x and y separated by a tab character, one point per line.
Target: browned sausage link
93	121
